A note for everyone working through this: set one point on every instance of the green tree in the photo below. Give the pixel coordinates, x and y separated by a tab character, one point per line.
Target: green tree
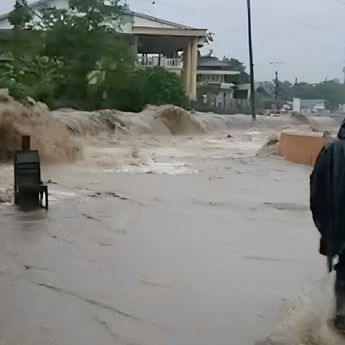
161	87
332	91
238	66
86	39
20	41
132	91
86	62
34	76
21	15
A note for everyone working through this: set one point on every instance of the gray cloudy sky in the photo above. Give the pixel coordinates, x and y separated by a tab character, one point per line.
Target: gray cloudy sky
307	35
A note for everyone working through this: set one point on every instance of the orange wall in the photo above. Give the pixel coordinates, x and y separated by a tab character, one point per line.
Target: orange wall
300	148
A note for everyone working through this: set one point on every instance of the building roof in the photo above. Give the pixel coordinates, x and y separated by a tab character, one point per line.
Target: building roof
40	3
213	63
44	3
161	21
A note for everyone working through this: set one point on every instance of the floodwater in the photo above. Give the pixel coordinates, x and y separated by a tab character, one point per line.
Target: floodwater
216	253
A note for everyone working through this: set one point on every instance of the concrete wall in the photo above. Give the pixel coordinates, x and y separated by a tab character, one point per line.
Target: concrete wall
301	148
5	24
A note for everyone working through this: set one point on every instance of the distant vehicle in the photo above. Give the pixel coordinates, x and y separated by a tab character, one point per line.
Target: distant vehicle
319	108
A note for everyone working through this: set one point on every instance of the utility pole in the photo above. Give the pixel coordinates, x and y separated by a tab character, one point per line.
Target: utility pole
276	87
251	61
276	80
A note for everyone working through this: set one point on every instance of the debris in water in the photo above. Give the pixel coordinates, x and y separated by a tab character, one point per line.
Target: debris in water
287	206
154	284
272	140
107	194
91	217
270	147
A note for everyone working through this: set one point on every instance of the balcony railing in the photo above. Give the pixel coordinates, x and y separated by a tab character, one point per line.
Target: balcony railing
153	61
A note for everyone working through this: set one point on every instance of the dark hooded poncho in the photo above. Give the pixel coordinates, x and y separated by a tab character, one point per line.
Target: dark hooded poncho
327	197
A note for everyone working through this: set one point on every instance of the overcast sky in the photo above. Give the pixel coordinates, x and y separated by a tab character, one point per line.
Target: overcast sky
307	35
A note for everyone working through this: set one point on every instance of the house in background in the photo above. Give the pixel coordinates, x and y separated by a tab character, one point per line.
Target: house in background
220	87
313	106
157	42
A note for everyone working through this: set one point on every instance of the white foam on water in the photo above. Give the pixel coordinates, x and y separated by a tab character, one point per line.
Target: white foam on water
56	196
309	319
151	167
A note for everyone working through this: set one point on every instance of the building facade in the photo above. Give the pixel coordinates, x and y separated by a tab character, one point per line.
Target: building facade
219	86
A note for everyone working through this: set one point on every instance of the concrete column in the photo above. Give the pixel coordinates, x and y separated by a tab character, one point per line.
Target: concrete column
135	46
187	68
193	70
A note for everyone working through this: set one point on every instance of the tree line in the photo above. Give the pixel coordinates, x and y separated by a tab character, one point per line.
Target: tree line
78	57
332	91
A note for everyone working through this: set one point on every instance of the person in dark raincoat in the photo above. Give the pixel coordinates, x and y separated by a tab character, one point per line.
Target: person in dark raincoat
327	203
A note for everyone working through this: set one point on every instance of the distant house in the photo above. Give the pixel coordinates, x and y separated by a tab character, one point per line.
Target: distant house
158	42
313	105
219	85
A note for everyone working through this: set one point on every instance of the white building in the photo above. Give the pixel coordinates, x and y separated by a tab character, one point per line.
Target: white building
219	85
313	105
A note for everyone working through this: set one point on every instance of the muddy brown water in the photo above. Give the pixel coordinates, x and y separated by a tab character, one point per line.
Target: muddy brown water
129	258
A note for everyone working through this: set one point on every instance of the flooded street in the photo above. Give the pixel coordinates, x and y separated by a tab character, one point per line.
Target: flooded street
171	171
138	255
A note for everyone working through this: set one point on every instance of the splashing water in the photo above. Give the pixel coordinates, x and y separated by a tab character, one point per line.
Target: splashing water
309	319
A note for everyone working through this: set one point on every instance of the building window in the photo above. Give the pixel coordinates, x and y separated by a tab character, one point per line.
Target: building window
240	94
215	77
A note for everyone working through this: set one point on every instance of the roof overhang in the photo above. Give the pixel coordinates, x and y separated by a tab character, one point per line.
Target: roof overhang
158	44
227	86
138	30
217	72
209	88
243	87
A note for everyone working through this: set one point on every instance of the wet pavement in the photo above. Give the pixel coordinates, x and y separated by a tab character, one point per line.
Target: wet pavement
148	259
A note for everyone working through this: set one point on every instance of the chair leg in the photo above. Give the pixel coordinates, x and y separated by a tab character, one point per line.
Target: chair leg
46	194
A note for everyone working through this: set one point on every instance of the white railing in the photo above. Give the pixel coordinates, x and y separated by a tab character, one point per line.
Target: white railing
153	61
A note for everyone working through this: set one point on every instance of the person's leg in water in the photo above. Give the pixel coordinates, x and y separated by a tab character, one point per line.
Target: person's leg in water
340	293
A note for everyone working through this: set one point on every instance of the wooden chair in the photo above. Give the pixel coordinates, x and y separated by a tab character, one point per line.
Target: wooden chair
27	179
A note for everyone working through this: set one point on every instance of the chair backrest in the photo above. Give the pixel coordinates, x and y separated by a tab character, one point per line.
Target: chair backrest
27	168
